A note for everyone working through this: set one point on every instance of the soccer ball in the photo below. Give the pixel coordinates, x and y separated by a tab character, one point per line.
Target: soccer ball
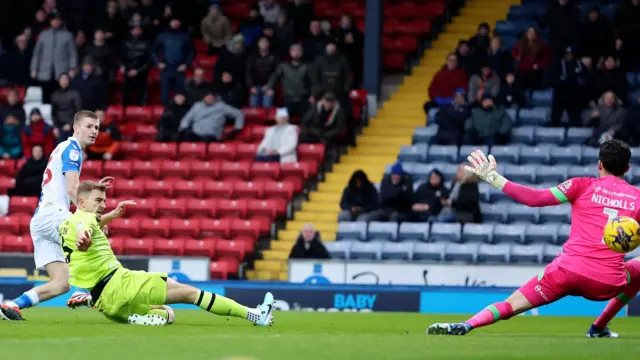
621	234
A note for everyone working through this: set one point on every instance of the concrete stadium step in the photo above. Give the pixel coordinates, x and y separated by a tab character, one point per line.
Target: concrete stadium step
280	245
347	169
411	97
460	27
267	275
313	217
275	254
381	159
325	198
268	265
381	151
324	188
390	130
382	140
292	236
320	226
320	207
364	159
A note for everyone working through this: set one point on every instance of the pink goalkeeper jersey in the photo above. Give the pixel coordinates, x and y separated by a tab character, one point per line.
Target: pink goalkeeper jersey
593	202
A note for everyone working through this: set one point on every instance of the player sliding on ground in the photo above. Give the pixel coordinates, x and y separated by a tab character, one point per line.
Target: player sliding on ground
136	297
586	267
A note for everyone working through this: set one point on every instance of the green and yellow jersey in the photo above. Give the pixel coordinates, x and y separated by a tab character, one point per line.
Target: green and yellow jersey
87	267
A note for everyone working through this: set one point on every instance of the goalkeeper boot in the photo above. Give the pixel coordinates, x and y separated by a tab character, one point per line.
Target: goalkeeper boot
79	299
594	332
266	311
11	313
449	329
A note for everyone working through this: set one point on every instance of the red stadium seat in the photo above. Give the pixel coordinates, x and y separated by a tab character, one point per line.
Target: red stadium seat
158	188
180	227
313	152
124	227
205	61
116	112
219	270
117	169
24	221
218	227
6	183
299	170
117	245
221	151
244	136
149	169
235	170
200	46
193	151
257	133
154	227
358	97
141	114
188	188
10	224
394	61
218	189
205	169
175	169
255	115
8	167
144	209
230	248
232	208
156	112
265	171
171	208
145	132
246	152
205	247
250	228
19	244
127	188
143	247
262	208
200	208
159	150
278	189
248	189
134	150
92	168
167	247
23	204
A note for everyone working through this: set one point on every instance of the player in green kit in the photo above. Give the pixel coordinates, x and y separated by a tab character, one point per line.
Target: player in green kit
123	295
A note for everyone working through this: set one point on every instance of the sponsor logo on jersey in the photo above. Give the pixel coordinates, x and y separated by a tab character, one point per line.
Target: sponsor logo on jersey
565	186
74	155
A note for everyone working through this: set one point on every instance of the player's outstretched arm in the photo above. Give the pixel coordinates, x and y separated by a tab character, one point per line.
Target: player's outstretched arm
115	213
485	168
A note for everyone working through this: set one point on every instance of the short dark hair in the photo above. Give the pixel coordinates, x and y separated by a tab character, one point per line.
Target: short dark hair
615	156
88	186
80	115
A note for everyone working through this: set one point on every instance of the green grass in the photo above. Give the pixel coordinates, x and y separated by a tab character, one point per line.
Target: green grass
51	334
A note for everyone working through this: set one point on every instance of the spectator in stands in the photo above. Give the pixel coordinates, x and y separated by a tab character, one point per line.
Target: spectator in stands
107	144
463	204
309	245
628	28
251	27
566	79
607	119
597	36
532	55
451	120
430	197
55	54
40	21
511	94
466	60
486	81
610	77
314	45
280	141
488	125
563	21
175	48
480	41
233	60
359	200
81	44
205	120
499	60
323	123
171	117
37	132
230	91
216	30
102	55
396	195
17	61
260	67
197	87
351	44
113	23
135	58
29	178
11	138
65	103
283	35
13	107
445	83
332	74
296	82
91	87
269	10
301	13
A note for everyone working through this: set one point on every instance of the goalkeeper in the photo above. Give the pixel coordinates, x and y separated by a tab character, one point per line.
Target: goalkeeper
123	295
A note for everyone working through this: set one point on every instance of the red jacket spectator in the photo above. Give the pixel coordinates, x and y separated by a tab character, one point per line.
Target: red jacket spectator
448	79
531	52
37	133
107	143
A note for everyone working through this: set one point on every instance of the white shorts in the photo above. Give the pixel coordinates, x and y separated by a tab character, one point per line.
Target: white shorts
46	240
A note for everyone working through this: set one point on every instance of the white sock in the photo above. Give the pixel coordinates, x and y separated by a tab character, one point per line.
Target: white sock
253	315
33	296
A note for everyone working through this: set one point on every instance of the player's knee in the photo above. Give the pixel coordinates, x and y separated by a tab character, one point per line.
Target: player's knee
60	286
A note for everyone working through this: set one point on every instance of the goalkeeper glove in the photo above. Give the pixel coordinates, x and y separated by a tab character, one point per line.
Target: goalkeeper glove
485	168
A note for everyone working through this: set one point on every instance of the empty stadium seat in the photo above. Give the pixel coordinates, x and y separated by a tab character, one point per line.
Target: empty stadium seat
461	252
466	150
338	249
423	135
556	214
18	244
428	252
168	247
541	233
413	232
509	233
517	212
142	247
477	233
366	251
489	253
351	230
571	155
415	153
204	247
494	212
550	252
551	174
443	153
526	253
397	251
446	232
540	154
382	231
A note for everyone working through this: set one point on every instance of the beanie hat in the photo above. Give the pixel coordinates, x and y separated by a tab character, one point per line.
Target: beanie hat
396	169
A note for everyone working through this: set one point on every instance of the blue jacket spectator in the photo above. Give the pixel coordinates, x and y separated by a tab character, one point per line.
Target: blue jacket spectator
314	45
90	86
451	119
396	195
251	28
359	199
172	52
11	138
431	196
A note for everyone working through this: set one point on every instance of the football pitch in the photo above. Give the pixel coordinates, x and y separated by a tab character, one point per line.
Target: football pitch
53	333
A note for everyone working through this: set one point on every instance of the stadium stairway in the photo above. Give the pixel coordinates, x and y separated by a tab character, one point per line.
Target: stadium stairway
380	142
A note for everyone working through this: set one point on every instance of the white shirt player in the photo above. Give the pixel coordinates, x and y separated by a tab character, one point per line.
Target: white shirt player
66	157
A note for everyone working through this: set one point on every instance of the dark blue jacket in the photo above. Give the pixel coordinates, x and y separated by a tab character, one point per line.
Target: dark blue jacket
175	48
397	197
432	195
11	141
366	198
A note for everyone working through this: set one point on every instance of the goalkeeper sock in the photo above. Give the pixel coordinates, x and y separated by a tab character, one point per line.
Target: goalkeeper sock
615	305
26	300
491	314
220	305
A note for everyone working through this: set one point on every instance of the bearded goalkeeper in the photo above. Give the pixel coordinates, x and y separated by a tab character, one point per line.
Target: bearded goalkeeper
126	296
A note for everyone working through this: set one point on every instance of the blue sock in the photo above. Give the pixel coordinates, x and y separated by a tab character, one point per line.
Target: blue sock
27	300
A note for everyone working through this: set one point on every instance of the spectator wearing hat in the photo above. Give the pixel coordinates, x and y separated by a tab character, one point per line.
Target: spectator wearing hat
91	87
233	60
176	50
206	119
451	120
102	55
11	138
314	45
171	117
295	78
107	143
280	141
17	61
430	197
563	21
13	107
251	28
197	87
323	123
260	67
479	43
486	81
445	84
29	178
65	103
488	125
37	132
532	56
567	82
309	245
360	201
54	54
396	195
351	44
230	91
216	30
135	61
